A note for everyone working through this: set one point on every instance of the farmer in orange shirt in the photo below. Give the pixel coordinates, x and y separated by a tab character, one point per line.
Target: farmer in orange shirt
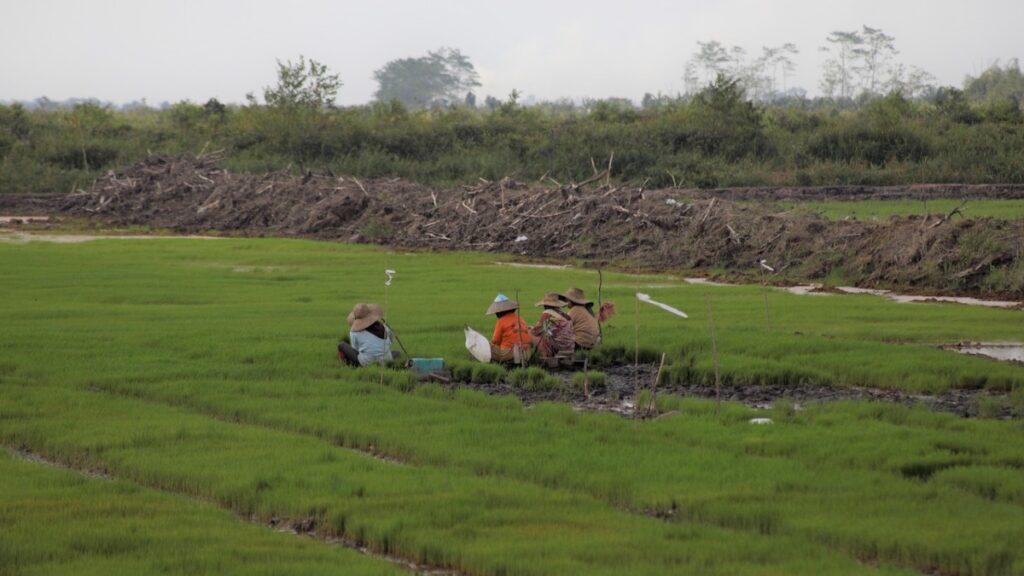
511	341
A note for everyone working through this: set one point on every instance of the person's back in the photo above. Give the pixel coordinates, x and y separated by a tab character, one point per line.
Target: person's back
373	344
584	324
369	339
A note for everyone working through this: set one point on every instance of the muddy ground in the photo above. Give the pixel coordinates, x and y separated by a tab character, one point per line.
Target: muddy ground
593	220
620	390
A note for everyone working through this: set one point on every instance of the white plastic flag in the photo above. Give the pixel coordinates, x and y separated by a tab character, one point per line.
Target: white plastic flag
665	307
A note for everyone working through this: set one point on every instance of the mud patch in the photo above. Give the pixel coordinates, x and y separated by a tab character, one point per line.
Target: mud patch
623	382
25	238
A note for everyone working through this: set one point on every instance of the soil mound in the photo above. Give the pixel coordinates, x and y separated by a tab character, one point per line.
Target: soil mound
657	229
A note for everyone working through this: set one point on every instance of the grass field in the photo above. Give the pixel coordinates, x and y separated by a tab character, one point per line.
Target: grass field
883	209
207	369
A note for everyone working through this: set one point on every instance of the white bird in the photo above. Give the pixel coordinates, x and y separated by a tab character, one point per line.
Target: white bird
764	264
390	274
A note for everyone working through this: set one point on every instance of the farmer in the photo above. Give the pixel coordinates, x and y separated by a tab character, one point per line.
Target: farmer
585	330
369	338
553	330
512	341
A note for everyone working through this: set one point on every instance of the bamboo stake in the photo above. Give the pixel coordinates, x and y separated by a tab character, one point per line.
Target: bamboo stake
651	404
519	331
764	290
714	355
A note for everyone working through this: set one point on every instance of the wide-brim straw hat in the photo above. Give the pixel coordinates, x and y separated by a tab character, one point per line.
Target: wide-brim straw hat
501	303
363	316
552	299
576	296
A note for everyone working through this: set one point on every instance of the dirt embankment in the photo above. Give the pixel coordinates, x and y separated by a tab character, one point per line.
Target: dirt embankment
653	229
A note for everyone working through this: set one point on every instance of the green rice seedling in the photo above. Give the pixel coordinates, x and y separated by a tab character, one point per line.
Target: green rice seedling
487	373
987	406
433	391
1017	403
533	378
618	355
226	386
596	380
461	370
61	522
401	380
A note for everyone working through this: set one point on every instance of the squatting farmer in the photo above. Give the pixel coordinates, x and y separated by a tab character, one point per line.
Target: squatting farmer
369	340
512	341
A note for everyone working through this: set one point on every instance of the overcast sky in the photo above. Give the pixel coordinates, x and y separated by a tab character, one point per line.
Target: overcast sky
197	49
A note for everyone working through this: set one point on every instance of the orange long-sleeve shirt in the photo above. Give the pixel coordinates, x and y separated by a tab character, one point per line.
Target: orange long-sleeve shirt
510	331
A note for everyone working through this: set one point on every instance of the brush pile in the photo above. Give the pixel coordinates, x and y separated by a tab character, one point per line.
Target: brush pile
655	229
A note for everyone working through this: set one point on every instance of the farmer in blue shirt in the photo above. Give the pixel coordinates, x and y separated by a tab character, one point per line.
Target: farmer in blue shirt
369	338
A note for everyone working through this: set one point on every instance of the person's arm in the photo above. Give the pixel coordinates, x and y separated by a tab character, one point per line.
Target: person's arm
496	339
353	338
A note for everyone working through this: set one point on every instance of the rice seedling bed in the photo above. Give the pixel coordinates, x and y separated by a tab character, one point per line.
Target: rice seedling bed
208	369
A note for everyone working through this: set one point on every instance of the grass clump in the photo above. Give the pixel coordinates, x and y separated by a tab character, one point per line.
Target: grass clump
597	380
487	373
534	379
617	355
461	370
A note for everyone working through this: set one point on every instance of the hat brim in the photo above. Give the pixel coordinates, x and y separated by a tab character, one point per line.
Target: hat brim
555	303
504	306
360	324
571	300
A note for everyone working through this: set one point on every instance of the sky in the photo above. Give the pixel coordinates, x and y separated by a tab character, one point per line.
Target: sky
121	51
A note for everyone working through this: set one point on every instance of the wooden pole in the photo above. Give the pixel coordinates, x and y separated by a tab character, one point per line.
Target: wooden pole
714	355
651	405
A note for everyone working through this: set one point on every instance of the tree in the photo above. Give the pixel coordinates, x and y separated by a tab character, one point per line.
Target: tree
710	60
911	81
301	85
875	53
441	77
778	59
845	51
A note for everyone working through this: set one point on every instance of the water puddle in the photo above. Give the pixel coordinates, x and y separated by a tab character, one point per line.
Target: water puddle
540	266
23	238
23	219
1002	351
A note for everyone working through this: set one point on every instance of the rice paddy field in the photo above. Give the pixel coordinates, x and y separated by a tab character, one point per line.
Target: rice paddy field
1003	209
176	406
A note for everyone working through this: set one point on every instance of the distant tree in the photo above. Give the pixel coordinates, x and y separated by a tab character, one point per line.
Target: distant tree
776	60
470	100
874	56
301	85
844	53
442	76
710	60
911	81
491	102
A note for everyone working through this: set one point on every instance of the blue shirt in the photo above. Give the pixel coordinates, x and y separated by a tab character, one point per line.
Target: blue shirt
371	348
